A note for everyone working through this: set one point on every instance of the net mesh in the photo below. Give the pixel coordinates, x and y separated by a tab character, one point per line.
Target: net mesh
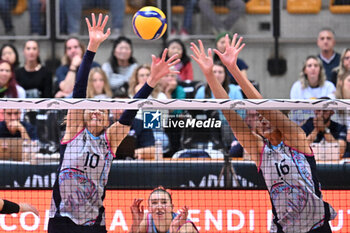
61	156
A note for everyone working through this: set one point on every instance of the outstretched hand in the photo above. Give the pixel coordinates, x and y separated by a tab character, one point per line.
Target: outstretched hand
204	61
137	211
25	207
161	68
179	220
229	57
96	31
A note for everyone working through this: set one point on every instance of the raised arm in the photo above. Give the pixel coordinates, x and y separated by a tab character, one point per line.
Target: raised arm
292	133
137	212
120	129
250	141
96	37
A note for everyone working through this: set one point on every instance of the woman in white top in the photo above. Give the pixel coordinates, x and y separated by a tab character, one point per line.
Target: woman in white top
312	83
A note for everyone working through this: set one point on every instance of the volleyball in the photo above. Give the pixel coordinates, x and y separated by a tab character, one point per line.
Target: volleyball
149	23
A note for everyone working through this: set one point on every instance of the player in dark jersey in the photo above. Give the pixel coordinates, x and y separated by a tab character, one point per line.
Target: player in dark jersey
280	150
160	216
88	145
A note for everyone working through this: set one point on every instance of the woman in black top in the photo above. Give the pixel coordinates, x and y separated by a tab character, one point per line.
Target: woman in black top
35	78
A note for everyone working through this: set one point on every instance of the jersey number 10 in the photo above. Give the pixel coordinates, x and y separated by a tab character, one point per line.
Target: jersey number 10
91	161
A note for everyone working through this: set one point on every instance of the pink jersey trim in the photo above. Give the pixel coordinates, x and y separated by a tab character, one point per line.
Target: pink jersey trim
261	156
64	143
109	145
310	155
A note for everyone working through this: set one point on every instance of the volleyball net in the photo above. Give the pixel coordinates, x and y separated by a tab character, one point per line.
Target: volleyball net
185	146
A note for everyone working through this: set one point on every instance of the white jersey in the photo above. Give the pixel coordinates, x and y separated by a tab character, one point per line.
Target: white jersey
79	191
295	195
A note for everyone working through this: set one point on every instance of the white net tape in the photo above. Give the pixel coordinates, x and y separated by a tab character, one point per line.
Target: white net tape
198	104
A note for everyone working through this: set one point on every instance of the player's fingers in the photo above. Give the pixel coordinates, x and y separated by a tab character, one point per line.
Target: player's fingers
164	54
195	58
99	20
195	51
105	20
186	211
153	59
35	211
177	217
238	42
227	41
88	23
195	48
108	32
174	72
172	58
217	52
93	19
174	62
139	201
233	42
240	48
210	53
201	47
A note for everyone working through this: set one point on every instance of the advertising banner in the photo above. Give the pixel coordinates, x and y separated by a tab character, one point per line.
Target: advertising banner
211	210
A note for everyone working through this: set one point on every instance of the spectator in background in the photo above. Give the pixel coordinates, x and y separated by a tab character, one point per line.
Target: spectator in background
36	8
120	66
141	3
8	85
71	14
139	143
343	117
98	86
176	46
6	7
13	127
236	7
220	45
329	58
9	53
66	73
321	127
35	78
341	2
169	86
344	66
187	20
234	92
139	78
312	83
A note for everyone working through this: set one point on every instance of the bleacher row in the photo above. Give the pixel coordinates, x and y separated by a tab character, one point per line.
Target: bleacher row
252	7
